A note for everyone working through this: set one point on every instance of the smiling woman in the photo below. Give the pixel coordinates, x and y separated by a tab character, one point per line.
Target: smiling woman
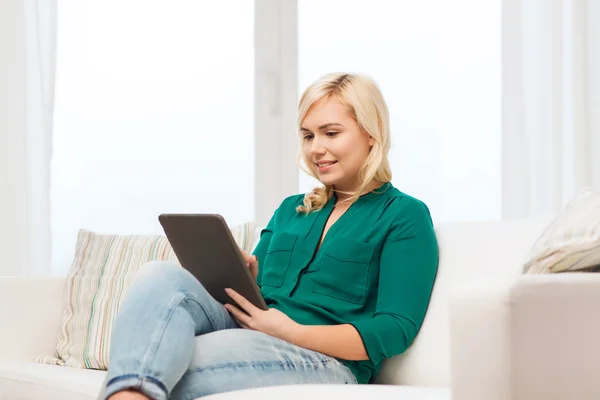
341	143
346	272
334	155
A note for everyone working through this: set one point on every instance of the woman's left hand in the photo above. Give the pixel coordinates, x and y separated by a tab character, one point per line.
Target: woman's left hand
272	322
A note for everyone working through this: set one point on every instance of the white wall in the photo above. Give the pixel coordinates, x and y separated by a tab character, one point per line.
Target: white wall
12	137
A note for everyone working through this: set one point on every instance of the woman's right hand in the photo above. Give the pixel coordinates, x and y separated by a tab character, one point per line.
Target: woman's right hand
251	263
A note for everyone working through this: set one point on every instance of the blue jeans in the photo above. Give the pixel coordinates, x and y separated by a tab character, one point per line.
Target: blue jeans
172	340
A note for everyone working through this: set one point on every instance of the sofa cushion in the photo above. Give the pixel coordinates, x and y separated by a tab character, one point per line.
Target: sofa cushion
103	269
328	392
572	241
31	381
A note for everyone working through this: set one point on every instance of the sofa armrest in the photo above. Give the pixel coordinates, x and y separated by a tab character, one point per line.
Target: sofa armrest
30	314
535	337
479	341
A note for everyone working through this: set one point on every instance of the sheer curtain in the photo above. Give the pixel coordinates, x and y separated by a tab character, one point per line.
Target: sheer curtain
28	49
551	99
41	66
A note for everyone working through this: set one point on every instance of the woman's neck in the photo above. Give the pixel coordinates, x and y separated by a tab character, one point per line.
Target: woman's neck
345	196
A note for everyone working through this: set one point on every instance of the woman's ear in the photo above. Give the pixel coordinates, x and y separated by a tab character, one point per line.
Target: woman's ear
371	141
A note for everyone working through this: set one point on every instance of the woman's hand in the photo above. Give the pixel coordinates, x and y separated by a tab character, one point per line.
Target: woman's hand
272	322
251	263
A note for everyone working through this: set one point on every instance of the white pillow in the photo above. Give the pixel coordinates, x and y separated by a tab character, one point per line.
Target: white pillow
572	241
103	269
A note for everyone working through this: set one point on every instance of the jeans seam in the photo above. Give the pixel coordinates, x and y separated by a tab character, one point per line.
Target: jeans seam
154	344
209	317
275	365
270	364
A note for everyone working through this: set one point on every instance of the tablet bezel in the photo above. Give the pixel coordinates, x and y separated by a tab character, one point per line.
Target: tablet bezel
205	246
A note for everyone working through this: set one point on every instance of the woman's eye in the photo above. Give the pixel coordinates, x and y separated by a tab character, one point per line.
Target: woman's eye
308	137
332	133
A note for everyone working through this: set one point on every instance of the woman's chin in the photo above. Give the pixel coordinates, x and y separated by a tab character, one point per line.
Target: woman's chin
327	180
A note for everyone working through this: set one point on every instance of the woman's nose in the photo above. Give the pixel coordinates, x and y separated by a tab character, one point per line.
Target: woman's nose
316	147
318	150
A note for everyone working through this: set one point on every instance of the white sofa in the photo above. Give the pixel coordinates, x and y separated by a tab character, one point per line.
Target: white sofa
490	333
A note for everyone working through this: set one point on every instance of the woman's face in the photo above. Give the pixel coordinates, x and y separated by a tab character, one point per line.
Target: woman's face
334	147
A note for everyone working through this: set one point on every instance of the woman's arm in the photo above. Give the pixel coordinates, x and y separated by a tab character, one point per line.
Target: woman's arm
408	266
339	341
407	271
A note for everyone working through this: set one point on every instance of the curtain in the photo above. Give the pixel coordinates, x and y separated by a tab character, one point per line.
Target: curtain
28	49
40	28
550	103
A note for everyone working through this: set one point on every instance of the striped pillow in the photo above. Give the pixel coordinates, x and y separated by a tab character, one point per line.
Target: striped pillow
572	241
102	271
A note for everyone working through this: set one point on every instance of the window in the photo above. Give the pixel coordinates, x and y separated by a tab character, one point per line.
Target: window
154	113
155	109
438	65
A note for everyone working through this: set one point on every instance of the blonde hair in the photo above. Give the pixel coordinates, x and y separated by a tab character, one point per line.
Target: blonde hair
366	104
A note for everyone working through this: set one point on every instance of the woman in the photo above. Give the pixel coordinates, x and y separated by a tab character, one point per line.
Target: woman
347	272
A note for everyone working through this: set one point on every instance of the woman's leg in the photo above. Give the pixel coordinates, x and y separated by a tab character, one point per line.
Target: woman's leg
240	359
153	339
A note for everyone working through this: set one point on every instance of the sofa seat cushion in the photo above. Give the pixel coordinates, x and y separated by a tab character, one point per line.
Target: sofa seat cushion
32	381
328	392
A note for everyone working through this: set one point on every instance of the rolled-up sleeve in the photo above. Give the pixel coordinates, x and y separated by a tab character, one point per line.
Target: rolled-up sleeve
407	271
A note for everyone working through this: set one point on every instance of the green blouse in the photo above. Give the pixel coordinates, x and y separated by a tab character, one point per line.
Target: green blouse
375	270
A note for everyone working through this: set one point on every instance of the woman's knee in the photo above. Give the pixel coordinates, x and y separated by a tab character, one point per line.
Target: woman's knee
166	276
160	271
159	277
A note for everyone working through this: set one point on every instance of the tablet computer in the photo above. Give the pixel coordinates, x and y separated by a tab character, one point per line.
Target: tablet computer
205	246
